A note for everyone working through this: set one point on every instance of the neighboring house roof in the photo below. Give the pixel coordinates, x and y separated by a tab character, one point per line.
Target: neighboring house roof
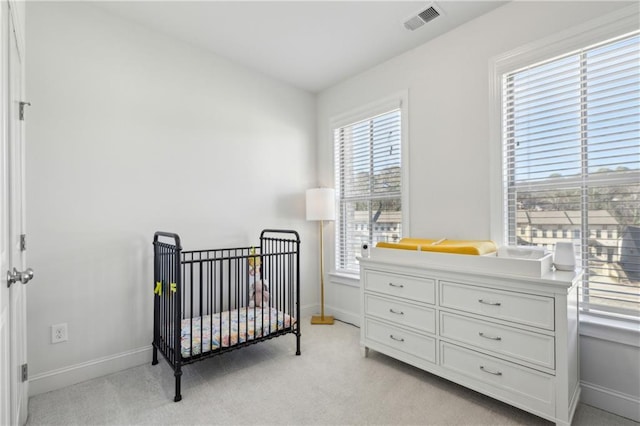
544	217
596	217
564	217
549	218
522	217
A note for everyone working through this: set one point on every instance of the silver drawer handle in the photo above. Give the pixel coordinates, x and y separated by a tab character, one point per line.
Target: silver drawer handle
481	334
396	312
396	285
486	302
396	339
495	373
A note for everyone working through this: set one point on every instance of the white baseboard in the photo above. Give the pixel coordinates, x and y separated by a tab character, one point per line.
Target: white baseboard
612	401
343	315
339	314
67	376
309	310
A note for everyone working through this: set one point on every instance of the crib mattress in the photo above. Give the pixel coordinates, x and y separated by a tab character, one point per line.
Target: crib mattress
236	326
473	247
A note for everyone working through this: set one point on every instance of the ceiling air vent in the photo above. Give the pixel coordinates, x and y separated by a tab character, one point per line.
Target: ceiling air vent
429	14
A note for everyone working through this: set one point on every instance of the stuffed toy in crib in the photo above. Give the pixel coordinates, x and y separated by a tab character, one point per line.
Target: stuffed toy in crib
259	288
259	294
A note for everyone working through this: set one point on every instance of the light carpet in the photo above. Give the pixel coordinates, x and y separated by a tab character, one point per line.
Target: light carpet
266	384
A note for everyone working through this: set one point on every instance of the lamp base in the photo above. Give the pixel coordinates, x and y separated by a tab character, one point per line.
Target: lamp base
319	319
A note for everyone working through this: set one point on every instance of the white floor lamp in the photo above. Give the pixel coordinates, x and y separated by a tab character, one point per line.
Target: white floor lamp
321	205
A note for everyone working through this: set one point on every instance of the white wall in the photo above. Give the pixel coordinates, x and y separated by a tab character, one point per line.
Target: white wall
449	127
130	132
610	373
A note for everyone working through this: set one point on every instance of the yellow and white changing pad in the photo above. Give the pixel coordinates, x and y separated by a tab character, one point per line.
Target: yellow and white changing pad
472	247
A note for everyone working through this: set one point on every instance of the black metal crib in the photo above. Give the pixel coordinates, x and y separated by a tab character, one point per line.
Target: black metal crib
209	302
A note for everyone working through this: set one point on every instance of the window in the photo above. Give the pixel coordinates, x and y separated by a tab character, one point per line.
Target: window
369	174
571	141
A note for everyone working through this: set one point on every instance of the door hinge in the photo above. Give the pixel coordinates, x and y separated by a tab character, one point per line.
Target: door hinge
21	113
23	242
25	372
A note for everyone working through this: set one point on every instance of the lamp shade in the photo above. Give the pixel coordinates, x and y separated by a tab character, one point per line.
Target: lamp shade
321	204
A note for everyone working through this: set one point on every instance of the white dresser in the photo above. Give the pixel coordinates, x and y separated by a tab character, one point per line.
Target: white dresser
511	337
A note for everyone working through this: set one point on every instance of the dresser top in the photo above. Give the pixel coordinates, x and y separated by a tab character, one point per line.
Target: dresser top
529	270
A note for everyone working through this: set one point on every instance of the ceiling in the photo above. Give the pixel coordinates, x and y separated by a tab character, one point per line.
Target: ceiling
309	44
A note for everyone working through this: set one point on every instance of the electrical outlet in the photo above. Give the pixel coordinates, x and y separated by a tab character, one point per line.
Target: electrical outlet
59	333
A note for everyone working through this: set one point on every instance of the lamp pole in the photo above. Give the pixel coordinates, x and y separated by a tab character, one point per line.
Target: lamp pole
321	207
322	269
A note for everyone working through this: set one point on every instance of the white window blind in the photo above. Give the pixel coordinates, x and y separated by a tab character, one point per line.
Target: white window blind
571	132
369	184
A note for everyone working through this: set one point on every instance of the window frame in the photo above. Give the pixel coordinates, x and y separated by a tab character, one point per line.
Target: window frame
615	24
398	100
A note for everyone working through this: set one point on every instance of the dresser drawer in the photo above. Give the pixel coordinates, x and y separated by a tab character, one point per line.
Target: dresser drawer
414	288
523	345
536	311
420	318
414	344
516	384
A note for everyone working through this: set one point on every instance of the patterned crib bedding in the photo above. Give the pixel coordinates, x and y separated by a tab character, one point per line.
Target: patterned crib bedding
237	326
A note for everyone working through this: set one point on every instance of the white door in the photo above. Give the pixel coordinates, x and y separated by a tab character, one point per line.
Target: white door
13	353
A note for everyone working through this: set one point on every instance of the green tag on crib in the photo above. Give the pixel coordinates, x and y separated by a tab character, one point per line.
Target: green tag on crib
158	289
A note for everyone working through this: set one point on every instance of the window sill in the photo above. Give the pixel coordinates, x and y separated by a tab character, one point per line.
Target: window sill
610	329
351	280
